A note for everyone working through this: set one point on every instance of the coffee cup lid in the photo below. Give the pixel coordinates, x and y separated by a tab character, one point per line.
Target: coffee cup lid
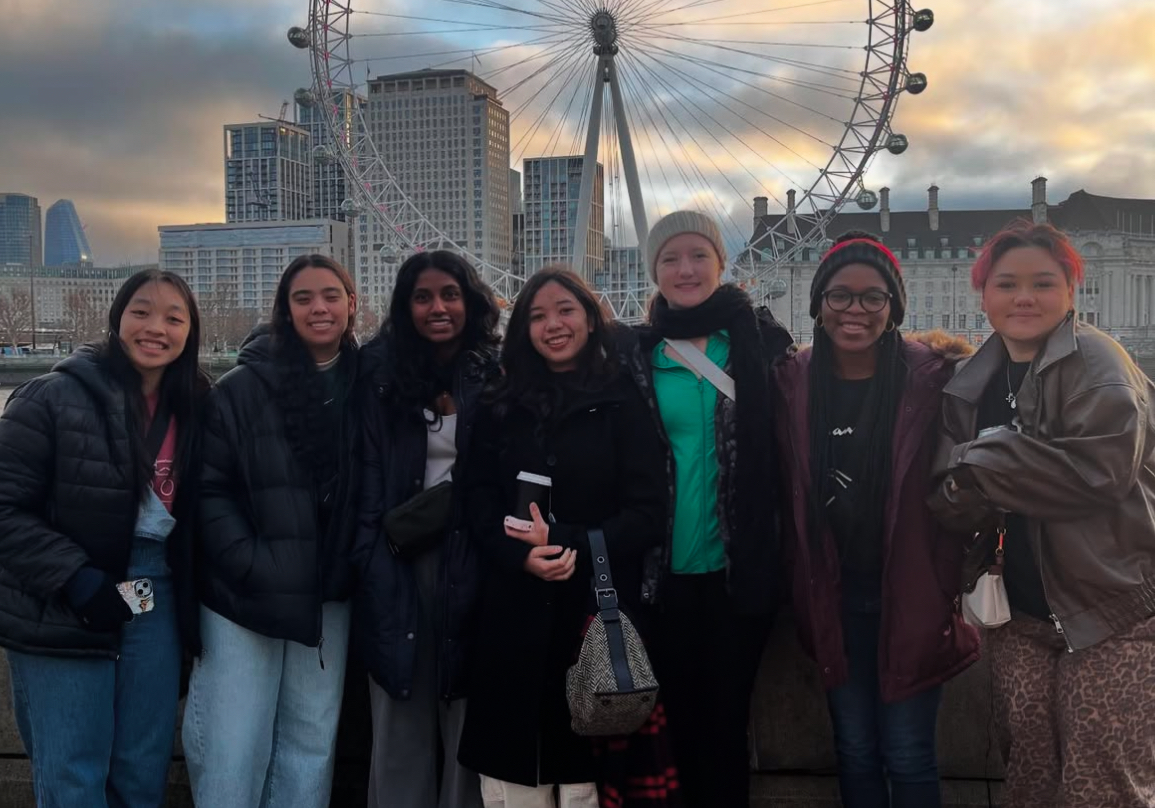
537	479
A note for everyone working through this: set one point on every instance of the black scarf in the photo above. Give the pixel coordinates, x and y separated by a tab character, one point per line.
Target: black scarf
753	532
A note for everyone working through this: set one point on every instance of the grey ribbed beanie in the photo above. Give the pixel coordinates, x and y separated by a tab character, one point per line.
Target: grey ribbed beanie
674	224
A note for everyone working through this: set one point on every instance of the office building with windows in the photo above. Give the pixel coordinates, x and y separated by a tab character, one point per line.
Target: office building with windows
268	173
551	204
20	233
64	238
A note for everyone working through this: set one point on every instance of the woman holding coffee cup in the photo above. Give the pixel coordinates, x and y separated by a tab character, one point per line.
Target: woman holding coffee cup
566	436
418	573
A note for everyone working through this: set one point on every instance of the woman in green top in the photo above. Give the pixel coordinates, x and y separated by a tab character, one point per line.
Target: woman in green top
713	583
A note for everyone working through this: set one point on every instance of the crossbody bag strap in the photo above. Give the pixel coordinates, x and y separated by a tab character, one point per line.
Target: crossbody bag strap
159	427
687	350
607	600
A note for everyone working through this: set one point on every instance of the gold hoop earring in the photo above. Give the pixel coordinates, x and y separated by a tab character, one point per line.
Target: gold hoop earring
892	326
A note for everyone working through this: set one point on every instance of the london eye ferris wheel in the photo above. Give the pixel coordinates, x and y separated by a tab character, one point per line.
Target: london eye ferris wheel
707	104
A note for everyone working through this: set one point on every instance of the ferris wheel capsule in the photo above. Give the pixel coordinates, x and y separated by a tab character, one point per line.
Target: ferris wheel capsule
778	288
896	144
923	19
350	207
866	199
304	97
323	155
298	37
916	83
388	254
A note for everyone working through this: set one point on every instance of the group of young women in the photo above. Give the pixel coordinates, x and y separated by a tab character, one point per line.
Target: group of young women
325	498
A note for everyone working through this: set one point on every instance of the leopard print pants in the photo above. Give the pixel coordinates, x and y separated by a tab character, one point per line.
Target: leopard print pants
1075	729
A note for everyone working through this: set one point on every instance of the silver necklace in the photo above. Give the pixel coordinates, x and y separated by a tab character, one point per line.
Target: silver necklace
1010	398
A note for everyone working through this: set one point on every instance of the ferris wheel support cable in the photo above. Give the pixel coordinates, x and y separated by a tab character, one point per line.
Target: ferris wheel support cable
694	183
693	165
632	121
834	92
467	51
570	67
549	50
711	89
574	54
773	10
789	101
681	98
554	141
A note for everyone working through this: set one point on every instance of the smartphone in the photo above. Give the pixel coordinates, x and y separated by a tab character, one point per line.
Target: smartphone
138	593
531	488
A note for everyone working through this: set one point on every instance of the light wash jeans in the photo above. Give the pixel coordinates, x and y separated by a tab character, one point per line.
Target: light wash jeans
99	732
261	718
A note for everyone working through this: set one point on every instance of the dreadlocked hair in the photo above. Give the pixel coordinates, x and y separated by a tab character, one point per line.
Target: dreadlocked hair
874	456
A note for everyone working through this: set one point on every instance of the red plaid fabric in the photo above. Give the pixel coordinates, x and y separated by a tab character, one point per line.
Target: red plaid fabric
638	771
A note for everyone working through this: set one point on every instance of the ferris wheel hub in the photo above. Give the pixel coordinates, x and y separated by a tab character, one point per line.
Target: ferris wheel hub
604	31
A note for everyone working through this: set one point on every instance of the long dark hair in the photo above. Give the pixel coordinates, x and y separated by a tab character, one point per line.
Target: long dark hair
527	379
183	383
872	465
299	393
416	373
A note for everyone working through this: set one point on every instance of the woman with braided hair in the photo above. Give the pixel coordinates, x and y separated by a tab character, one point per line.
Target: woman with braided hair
874	579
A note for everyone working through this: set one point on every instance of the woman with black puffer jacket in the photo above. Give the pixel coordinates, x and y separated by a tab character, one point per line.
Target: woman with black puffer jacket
98	495
277	518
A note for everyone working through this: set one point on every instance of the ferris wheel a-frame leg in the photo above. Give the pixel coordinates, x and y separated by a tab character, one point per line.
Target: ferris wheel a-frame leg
605	73
587	181
627	152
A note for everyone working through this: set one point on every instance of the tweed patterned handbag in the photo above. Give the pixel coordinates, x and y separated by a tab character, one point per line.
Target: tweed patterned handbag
611	689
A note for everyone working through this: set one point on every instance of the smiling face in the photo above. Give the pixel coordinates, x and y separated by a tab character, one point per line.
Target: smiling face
855	330
438	307
154	328
687	270
320	309
559	327
1026	297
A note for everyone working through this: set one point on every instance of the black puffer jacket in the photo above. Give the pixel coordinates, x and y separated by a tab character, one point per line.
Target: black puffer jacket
385	616
261	562
752	580
67	499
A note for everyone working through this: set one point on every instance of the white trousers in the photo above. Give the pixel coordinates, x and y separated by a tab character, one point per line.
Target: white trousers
499	794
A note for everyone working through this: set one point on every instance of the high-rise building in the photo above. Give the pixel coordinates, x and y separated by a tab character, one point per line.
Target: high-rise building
64	238
445	137
20	230
551	203
268	176
329	179
240	264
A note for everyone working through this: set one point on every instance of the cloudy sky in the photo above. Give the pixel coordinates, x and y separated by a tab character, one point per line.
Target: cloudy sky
119	104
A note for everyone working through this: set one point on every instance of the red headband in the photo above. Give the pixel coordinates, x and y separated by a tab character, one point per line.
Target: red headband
896	264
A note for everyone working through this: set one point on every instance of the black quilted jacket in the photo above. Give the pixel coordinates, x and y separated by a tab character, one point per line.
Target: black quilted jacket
67	499
261	561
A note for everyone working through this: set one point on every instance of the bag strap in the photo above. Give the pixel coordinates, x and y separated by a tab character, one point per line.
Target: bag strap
607	599
687	350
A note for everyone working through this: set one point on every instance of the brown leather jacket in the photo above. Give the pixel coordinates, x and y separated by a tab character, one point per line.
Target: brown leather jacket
1081	471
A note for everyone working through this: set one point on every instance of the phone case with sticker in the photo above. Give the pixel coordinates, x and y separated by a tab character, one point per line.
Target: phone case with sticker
138	593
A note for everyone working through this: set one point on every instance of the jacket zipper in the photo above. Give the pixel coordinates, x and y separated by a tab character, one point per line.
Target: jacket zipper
1058	627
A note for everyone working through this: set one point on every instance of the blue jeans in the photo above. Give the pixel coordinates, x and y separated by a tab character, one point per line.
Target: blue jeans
880	748
100	732
261	717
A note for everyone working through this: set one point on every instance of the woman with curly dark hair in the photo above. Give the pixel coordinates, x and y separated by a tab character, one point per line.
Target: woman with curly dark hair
564	410
417	572
98	488
279	485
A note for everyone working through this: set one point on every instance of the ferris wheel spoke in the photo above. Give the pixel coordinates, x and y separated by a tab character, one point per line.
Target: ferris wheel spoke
567	69
773	10
553	48
685	102
692	162
712	92
631	93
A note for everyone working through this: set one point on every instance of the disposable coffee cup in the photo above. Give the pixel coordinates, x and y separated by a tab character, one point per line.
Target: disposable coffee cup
530	488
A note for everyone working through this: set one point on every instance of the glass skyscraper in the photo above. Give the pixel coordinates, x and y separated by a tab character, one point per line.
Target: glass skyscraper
20	230
64	238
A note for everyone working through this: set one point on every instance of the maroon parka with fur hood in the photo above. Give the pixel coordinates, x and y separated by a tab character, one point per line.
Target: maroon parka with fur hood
924	641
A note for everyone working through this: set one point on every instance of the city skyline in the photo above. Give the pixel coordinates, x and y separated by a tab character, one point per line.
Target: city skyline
150	157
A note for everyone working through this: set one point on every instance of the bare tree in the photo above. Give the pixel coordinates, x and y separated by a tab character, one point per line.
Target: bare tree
15	315
368	322
84	319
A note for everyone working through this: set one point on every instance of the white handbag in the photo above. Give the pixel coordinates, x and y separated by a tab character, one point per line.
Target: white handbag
986	605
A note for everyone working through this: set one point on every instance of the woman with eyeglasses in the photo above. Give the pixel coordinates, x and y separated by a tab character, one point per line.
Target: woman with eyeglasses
874	579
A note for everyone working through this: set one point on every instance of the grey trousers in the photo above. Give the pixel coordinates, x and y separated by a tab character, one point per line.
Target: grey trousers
407	734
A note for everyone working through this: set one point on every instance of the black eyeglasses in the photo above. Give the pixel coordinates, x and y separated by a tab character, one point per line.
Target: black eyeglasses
871	301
